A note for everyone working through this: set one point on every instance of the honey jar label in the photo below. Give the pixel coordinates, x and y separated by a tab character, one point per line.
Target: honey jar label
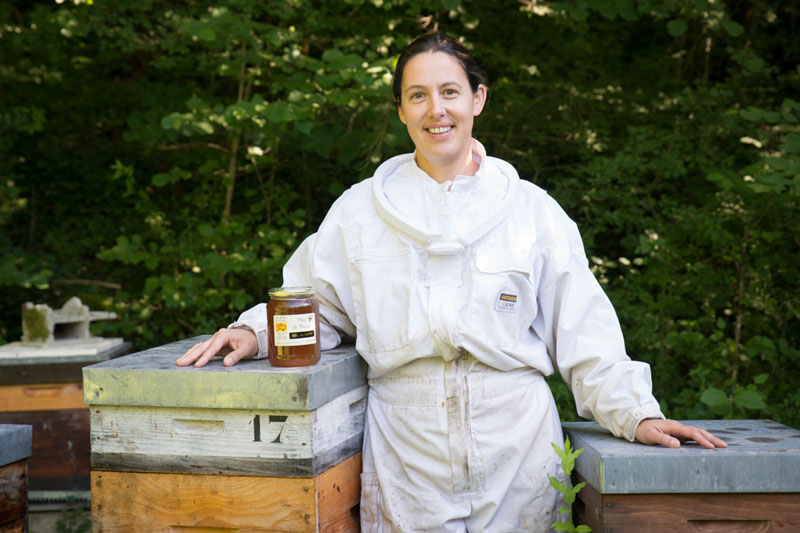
294	330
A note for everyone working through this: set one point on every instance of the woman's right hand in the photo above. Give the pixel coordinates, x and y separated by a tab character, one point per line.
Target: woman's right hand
234	344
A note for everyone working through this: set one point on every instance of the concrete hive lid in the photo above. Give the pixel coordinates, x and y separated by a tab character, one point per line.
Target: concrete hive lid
15	443
151	378
762	456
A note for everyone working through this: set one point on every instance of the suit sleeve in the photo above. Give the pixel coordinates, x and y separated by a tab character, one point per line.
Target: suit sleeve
584	339
322	267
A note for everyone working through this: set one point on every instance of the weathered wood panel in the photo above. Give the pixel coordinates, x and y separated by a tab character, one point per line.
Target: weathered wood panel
228	441
41	397
60	448
14	496
22	374
338	496
707	513
126	501
588	507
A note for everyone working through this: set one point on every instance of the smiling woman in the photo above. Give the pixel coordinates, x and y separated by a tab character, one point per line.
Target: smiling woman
438	106
463	287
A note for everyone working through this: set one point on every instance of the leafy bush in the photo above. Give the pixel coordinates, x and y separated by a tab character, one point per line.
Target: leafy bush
163	160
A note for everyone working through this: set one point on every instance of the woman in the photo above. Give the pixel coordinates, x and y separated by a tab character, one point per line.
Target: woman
463	287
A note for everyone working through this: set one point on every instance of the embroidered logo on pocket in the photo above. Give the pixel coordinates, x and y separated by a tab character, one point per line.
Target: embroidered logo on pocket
506	302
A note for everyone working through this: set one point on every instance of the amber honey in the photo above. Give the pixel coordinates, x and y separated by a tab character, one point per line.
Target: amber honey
293	318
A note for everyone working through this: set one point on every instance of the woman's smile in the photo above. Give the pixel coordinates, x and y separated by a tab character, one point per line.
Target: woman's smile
440	131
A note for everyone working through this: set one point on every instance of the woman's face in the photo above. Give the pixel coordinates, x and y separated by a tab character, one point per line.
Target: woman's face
438	106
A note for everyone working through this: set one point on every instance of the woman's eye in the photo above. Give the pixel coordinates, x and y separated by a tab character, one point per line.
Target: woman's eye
417	96
450	92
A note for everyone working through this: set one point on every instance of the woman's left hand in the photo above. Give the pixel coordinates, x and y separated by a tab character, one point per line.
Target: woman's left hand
671	433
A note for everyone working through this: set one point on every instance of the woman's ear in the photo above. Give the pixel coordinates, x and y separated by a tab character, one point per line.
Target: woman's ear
401	114
479	99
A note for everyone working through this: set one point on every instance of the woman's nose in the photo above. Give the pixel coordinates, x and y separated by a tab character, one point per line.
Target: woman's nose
436	108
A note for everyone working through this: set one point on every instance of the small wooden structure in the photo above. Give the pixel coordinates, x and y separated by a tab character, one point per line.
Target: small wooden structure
751	486
249	447
15	448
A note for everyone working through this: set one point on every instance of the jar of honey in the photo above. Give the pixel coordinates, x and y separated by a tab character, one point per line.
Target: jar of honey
293	318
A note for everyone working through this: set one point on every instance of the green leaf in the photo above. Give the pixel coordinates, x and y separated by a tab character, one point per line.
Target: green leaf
732	27
749	399
160	179
331	54
760	379
753	114
583	529
171	122
204	127
677	27
451	4
279	112
304	126
713	397
559	451
194	103
607	9
556	484
206	230
206	34
791	143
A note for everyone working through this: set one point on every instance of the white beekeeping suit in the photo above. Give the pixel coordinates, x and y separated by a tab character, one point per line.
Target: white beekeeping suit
461	296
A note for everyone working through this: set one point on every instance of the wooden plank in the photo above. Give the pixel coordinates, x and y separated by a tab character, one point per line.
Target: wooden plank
151	378
588	508
126	501
41	397
60	448
338	428
22	374
18	526
338	496
779	512
13	495
228	441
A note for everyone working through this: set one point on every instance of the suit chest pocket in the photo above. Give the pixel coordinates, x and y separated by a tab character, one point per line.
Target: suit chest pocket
382	284
503	301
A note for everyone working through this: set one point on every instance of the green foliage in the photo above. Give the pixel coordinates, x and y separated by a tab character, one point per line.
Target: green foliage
75	518
569	491
162	160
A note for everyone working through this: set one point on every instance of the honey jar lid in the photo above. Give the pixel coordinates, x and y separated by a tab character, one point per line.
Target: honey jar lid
284	293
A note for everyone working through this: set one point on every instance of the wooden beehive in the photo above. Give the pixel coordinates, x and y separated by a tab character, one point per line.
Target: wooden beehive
751	486
15	448
251	447
43	387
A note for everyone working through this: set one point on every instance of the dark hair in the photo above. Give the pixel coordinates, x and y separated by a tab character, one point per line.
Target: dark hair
438	42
